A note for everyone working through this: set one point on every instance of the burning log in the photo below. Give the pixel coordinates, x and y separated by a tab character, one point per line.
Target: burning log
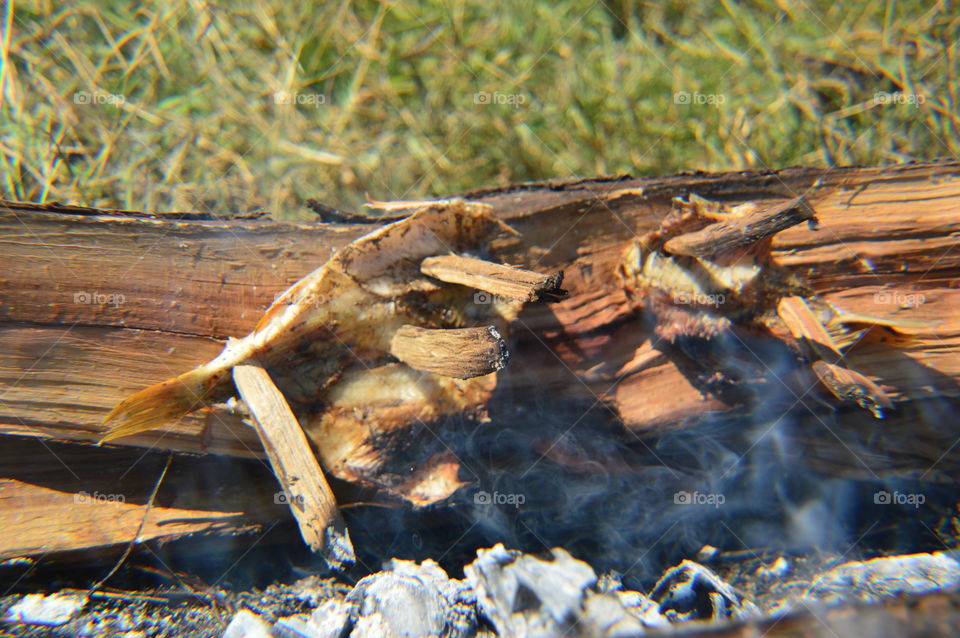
721	282
882	252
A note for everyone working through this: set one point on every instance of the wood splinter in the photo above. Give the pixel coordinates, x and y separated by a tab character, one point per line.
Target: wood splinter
461	353
742	229
496	279
843	383
305	488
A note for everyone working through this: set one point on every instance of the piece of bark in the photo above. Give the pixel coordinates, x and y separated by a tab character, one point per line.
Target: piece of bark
496	279
802	323
304	486
461	353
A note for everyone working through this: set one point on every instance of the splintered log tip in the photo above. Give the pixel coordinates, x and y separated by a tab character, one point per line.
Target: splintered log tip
497	279
741	230
461	353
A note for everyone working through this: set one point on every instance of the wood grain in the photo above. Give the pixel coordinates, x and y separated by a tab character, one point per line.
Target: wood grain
496	279
305	488
461	353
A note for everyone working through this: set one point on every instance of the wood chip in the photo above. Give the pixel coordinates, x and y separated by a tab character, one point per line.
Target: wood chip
804	324
461	353
305	488
843	383
496	279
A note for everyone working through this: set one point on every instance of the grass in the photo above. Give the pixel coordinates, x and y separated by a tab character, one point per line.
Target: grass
184	105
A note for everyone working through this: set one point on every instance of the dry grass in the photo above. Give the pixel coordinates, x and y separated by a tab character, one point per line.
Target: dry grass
174	105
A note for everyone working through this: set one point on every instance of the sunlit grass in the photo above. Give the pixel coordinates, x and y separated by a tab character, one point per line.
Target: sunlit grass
174	106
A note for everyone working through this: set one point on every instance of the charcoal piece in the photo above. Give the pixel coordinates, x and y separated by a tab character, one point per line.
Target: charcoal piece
617	615
880	578
523	595
412	600
634	603
690	591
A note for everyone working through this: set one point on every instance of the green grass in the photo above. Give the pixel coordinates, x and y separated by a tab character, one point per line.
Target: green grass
391	102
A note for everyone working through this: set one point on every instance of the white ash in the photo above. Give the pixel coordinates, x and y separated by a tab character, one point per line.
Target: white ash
327	621
51	611
518	594
880	578
405	600
523	595
775	570
246	624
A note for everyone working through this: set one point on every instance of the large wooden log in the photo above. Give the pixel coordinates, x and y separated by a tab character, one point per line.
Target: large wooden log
99	304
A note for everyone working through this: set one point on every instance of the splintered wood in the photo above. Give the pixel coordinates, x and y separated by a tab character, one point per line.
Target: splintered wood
496	279
304	487
827	361
745	228
462	353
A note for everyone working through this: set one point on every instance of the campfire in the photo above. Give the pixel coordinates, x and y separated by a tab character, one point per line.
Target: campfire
609	407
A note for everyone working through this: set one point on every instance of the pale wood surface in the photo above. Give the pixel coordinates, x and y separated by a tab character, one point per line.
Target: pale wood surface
57	498
305	488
